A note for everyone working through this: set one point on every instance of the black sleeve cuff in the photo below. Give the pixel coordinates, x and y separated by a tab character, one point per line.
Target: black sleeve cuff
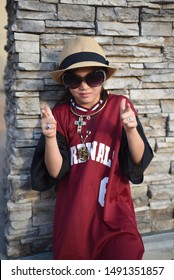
40	178
134	172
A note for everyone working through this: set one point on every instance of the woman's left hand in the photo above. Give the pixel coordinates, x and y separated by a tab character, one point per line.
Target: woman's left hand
127	115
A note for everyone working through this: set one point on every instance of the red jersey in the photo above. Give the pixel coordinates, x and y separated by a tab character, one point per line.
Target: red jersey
94	213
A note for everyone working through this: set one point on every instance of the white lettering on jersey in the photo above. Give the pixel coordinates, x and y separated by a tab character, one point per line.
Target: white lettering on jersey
101	151
74	159
106	160
92	147
97	151
102	191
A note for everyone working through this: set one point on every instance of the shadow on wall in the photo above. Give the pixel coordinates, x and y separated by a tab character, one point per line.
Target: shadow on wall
2	63
2	157
3	36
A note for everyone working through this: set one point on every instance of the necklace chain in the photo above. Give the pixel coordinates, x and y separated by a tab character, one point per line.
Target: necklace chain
83	152
89	115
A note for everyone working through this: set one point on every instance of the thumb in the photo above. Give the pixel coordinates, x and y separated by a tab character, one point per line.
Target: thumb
122	105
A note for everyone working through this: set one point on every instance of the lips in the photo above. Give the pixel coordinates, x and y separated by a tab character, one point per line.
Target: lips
85	94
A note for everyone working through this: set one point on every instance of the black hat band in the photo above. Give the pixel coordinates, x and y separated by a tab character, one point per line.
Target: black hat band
81	57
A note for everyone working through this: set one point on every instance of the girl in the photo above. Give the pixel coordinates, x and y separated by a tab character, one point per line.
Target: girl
91	147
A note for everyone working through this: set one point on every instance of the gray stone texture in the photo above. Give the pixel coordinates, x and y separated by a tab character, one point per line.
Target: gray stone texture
137	37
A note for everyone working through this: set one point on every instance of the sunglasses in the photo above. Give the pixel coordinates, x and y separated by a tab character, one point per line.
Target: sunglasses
93	79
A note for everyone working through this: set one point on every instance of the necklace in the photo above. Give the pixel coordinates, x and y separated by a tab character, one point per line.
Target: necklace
83	152
80	121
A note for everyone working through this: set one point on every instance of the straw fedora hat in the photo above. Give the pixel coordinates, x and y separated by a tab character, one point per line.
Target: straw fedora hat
81	51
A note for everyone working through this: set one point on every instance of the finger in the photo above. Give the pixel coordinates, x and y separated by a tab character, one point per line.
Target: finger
122	105
50	126
48	123
127	108
46	112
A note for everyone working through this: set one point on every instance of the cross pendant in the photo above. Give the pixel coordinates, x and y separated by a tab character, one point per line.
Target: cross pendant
79	124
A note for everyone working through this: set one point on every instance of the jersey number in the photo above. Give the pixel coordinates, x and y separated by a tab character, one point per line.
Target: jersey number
102	191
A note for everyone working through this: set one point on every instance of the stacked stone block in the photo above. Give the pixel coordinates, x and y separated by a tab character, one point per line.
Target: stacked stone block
137	37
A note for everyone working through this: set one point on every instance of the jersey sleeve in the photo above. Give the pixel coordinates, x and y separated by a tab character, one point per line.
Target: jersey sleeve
134	172
40	178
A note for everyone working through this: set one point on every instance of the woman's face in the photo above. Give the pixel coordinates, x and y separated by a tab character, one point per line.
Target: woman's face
85	95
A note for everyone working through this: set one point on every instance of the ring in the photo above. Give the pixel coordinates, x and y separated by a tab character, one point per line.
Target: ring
129	119
48	126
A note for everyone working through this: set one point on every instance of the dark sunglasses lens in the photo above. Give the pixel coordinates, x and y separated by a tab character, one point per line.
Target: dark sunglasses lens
93	79
71	81
96	78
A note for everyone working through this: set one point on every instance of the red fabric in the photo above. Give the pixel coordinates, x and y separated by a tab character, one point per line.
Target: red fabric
90	224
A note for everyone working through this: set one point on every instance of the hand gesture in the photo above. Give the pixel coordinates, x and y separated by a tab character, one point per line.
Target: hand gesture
48	122
127	115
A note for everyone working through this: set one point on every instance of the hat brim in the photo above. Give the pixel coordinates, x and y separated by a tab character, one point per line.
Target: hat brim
56	75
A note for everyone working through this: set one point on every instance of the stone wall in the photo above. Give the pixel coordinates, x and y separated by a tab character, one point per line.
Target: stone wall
137	37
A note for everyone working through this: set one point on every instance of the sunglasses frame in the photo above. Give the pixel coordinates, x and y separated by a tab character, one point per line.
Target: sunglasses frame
83	79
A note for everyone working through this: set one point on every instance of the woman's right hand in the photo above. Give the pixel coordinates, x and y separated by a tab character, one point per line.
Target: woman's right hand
48	122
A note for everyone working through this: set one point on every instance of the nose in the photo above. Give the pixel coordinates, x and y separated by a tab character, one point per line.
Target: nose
83	85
